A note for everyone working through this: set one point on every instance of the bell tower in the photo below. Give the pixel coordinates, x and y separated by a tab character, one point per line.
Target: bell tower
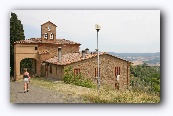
48	32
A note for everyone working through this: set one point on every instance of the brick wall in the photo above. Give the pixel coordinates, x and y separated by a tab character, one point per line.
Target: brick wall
44	29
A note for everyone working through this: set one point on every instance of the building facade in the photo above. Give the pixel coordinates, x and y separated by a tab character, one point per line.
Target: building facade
40	49
51	56
113	70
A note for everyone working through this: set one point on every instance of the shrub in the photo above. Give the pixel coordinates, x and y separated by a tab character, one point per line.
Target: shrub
79	80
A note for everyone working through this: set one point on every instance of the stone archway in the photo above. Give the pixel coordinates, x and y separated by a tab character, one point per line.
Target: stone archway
17	60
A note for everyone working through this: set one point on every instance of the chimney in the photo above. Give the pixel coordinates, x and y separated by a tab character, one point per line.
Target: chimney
59	54
96	51
86	51
83	53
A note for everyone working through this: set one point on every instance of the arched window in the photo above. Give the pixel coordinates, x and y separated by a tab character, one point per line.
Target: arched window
51	36
45	35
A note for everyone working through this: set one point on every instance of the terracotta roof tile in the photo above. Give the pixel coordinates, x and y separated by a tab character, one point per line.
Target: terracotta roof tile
74	57
31	40
48	22
38	40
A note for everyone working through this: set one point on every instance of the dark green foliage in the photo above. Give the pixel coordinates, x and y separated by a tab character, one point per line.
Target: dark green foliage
145	77
26	63
16	33
79	80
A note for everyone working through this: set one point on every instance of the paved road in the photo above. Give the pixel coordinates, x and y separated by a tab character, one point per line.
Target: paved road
39	95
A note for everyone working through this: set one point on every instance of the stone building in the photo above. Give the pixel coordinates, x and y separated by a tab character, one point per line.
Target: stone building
51	56
41	49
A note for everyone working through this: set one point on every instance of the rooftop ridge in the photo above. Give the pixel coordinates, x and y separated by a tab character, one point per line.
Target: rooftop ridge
48	22
70	58
38	40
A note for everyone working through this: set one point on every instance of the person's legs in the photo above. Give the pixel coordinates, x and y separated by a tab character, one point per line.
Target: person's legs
27	87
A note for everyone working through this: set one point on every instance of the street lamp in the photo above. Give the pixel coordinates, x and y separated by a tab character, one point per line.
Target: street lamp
97	27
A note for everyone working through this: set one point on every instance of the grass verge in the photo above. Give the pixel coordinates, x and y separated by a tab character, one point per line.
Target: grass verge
94	96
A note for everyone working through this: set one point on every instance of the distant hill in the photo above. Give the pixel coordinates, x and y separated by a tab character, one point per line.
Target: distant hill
152	59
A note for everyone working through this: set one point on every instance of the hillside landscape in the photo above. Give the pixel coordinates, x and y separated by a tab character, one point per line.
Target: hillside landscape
151	59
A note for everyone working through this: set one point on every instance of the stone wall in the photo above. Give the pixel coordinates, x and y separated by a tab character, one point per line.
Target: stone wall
57	72
53	50
107	70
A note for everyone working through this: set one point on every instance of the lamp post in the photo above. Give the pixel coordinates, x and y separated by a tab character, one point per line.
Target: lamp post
97	27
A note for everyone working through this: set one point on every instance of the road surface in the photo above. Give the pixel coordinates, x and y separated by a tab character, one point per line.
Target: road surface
39	95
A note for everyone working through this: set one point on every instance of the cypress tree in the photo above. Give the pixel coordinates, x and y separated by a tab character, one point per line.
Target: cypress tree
16	34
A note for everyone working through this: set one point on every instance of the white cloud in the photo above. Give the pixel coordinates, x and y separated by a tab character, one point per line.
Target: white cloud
121	30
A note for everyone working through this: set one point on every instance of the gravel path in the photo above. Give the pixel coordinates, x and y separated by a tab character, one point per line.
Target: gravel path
39	95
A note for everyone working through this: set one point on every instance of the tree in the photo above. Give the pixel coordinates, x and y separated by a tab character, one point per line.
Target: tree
16	33
148	74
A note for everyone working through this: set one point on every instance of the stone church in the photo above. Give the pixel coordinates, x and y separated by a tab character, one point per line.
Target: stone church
51	56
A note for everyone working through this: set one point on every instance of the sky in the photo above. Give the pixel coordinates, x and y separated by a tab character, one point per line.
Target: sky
122	31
